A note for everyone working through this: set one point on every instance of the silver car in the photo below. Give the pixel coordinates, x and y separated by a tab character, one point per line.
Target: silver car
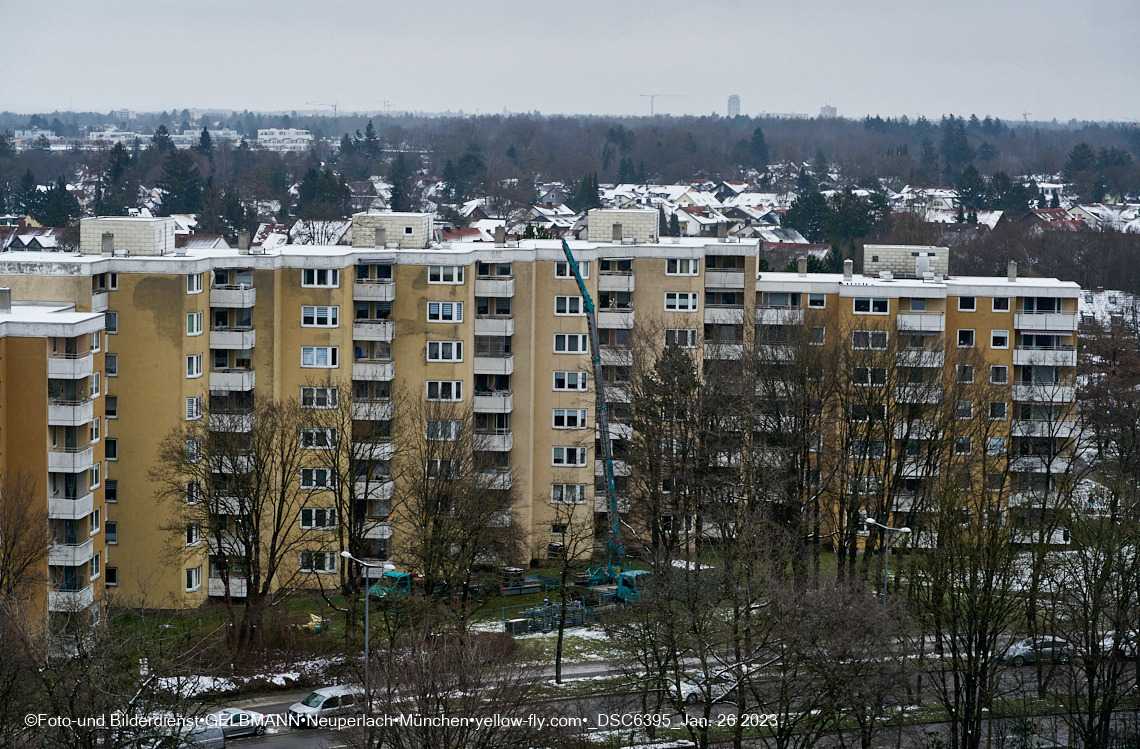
327	702
236	722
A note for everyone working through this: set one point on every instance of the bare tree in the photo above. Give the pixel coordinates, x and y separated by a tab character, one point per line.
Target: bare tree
25	534
575	527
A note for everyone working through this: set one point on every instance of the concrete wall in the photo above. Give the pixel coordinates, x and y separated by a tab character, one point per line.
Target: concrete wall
638	224
138	236
364	227
901	260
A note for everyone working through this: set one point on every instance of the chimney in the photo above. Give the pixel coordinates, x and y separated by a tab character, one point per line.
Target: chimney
1011	271
617	233
108	247
722	231
5	299
500	236
381	237
801	266
243	242
848	269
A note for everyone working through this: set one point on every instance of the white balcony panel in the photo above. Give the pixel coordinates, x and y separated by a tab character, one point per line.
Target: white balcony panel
71	600
373	490
100	300
621	468
373	371
60	368
374	330
233	296
1038	465
729	351
916	469
377	530
233	380
499	443
724	316
721	279
60	508
618	393
612	319
233	339
776	352
1054	537
1044	393
602	503
504	325
374	292
918	394
217	587
75	460
617	357
495	479
71	556
495	365
921	359
499	403
372	410
495	287
779	316
616	282
222	422
922	322
617	431
372	450
1059	357
1035	428
70	413
1046	321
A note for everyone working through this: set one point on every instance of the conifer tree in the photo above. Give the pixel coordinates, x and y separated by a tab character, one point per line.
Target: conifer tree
205	144
181	184
161	139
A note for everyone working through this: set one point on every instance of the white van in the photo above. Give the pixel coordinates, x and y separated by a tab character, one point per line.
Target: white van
327	702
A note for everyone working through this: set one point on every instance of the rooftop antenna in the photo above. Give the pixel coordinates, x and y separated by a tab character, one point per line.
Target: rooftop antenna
653	97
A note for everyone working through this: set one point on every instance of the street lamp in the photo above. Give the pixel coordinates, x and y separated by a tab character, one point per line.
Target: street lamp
367	595
886	548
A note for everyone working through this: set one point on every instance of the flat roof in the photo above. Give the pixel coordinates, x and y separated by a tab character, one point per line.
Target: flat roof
45	319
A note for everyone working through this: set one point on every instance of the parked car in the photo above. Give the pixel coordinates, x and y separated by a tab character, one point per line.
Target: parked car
235	722
203	737
1031	650
1122	646
327	702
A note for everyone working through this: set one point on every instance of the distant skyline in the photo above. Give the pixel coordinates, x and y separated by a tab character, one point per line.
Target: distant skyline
1047	58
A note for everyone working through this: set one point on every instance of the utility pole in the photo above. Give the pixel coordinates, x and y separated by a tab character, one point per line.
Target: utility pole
653	97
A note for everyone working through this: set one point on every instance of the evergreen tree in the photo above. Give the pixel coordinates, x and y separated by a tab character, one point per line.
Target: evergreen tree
808	215
586	196
1056	201
27	197
400	177
758	149
955	149
674	226
627	174
848	218
370	144
7	145
161	139
821	168
928	162
805	182
323	196
58	207
347	146
662	222
181	183
1081	159
971	188
118	185
205	144
210	217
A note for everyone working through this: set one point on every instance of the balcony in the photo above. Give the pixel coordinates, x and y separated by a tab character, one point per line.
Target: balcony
377	530
621	468
233	380
918	394
1042	428
373	491
500	402
70	459
100	300
499	479
494	286
917	469
617	357
614	318
71	555
618	392
724	351
71	600
70	413
779	316
617	431
233	338
373	330
724	279
1045	322
499	442
1053	537
368	290
1045	356
217	587
602	502
921	322
616	281
920	358
379	410
1033	464
62	508
1044	393
375	371
494	325
377	450
494	365
231	422
724	315
70	366
239	295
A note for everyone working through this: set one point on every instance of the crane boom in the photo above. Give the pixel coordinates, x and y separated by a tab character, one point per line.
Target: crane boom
614	549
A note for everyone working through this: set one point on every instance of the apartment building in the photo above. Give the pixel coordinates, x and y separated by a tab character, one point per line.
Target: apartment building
52	440
500	327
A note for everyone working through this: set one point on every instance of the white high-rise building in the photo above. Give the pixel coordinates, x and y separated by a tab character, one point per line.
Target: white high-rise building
733	106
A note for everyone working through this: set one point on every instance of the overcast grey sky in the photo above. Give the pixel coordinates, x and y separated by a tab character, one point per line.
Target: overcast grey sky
1051	59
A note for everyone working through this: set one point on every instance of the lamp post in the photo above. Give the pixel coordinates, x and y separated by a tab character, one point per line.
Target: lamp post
367	595
886	548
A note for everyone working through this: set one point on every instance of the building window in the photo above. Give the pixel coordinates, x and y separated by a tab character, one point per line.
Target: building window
193	579
871	306
111	406
111	491
680	301
113	281
95	517
445	312
562	269
111	362
443	430
442	468
194	408
445	390
869	339
567	494
94	476
93	385
194	323
194	366
681	337
569	380
318	439
570	343
999	375
445	274
320	317
112	577
683	267
194	283
967	304
322	357
111	449
997	410
569	305
320	278
193	534
995	446
999	339
965	410
94	341
569	456
111	532
867	376
111	321
94	569
816	335
318	518
94	434
318	397
1001	304
321	562
965	338
445	351
965	373
963	445
569	418
316	478
817	301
